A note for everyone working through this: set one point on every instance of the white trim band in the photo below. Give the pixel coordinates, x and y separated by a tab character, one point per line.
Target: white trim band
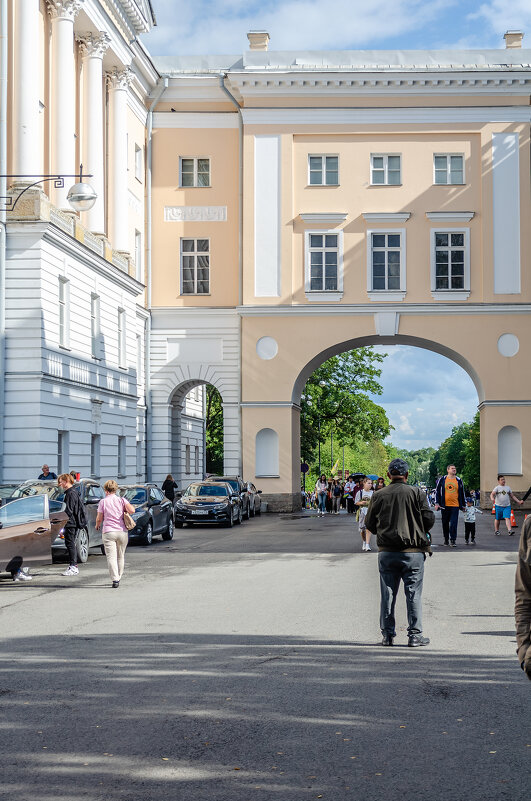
382	116
450	216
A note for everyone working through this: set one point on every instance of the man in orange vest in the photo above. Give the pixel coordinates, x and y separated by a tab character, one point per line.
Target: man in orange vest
449	498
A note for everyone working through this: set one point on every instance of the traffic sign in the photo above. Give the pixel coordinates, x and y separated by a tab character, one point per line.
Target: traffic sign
304	467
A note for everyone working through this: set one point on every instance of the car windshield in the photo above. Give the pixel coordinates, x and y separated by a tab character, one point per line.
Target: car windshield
54	492
231	482
135	495
210	490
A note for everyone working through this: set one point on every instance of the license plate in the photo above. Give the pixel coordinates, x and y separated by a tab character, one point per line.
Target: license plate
199	511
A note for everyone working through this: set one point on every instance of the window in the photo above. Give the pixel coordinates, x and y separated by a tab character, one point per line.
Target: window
94	492
95	443
22	511
194	172
121	456
187	464
385	261
323	170
322	256
138	255
139	370
121	338
385	170
62	451
196	465
448	168
64	313
450	261
95	332
139	458
195	266
139	163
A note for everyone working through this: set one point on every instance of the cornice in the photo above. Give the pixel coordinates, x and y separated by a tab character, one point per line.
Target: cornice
416	309
389	115
386	216
450	216
333	218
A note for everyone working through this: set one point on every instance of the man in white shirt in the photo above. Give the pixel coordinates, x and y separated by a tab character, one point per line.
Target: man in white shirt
501	497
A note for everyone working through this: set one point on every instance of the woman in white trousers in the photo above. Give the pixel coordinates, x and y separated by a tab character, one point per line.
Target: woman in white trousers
111	514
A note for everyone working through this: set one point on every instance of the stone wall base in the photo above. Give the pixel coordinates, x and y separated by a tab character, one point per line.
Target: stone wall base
282	501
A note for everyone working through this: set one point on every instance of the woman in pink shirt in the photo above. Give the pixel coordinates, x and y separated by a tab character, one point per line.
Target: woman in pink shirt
111	513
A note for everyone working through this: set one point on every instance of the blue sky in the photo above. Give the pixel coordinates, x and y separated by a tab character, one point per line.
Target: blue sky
220	26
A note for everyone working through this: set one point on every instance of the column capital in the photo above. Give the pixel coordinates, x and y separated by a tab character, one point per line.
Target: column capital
119	79
64	9
93	45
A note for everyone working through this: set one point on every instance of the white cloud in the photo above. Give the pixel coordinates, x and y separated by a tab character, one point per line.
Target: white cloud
503	15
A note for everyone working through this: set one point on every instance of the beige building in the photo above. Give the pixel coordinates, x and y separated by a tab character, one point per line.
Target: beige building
306	203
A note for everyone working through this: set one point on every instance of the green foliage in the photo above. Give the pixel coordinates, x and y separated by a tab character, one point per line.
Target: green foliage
419	464
214	431
462	449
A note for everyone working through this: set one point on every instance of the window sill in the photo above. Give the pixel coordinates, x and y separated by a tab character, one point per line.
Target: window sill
194	187
65	347
384	294
195	295
96	358
123	369
328	296
321	186
266	475
450	294
460	184
386	186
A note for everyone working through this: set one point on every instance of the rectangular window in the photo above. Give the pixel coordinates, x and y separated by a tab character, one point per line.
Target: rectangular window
95	449
64	312
139	370
139	458
448	168
323	256
195	266
196	466
323	170
386	261
187	465
95	332
450	253
122	333
121	457
385	169
138	255
194	172
63	455
139	163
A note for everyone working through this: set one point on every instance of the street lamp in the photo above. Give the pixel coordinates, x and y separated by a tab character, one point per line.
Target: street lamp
81	195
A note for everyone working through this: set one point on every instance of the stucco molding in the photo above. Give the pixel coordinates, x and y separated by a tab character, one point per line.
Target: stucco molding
64	9
417	309
331	218
450	216
486	403
93	45
384	116
195	213
386	216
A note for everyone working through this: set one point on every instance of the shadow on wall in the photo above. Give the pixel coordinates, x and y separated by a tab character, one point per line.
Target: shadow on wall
257	718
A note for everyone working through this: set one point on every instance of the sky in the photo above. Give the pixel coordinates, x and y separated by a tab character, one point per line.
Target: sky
220	26
425	394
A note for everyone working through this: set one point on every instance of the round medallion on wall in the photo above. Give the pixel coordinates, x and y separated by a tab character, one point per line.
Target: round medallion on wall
508	345
267	348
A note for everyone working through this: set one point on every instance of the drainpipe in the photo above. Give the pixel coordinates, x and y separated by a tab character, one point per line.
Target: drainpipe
3	232
147	356
240	240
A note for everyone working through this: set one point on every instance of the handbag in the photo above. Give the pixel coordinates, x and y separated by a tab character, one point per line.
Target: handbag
129	523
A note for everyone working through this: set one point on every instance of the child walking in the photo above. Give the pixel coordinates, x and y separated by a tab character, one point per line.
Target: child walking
470	521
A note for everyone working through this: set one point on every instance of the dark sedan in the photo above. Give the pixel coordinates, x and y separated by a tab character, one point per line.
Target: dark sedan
153	513
209	502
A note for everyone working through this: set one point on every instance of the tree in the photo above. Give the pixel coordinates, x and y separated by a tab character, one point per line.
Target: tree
462	449
336	399
214	431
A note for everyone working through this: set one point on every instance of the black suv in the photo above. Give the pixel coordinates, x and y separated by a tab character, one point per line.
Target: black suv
239	486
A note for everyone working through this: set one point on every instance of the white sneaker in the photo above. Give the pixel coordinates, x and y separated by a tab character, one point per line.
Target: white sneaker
368	547
364	546
72	570
22	575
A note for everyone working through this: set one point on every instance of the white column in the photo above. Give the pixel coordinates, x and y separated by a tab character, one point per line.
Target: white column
63	151
118	81
92	147
28	148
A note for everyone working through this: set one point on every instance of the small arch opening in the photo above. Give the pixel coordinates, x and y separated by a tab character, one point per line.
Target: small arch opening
266	453
510	451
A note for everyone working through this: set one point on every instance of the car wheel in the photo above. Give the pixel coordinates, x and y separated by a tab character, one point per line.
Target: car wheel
230	521
147	539
239	519
168	534
82	545
259	510
252	510
246	515
178	524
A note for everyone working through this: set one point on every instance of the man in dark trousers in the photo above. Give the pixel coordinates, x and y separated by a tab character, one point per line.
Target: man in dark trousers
522	608
400	517
76	519
450	498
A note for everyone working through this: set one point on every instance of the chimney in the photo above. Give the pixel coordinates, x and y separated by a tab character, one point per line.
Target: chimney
513	39
258	40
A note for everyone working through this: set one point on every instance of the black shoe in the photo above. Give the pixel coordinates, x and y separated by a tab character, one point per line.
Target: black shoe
446	542
387	639
454	544
115	584
417	639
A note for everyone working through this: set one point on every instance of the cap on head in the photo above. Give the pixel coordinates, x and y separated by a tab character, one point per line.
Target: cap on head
398	467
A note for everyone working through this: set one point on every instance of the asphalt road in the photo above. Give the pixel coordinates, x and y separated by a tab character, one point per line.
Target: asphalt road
245	664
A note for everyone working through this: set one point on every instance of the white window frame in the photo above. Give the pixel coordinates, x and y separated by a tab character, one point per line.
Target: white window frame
323	157
196	160
448	170
138	256
122	457
63	450
95	326
64	312
139	162
323	295
122	339
450	294
385	157
194	253
387	294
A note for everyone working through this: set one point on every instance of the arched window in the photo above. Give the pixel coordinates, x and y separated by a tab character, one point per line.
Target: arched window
266	463
510	451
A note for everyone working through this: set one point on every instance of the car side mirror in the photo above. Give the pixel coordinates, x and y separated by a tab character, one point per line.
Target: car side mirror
92	500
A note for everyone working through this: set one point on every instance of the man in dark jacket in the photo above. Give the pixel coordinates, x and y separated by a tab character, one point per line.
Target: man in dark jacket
76	519
449	498
522	608
400	517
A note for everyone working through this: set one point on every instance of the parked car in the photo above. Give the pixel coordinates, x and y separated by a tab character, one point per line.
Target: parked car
209	502
255	501
7	490
91	494
153	513
28	526
240	487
